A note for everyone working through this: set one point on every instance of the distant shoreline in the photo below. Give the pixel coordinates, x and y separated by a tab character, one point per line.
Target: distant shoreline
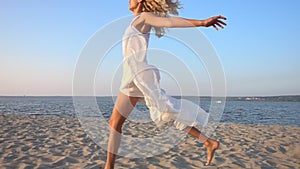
295	98
279	98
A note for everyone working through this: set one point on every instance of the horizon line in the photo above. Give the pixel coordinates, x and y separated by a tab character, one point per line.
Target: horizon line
280	95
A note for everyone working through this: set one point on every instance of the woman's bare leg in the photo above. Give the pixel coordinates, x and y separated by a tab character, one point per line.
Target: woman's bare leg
123	107
210	144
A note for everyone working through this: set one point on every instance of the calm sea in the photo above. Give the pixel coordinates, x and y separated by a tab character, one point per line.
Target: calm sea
253	112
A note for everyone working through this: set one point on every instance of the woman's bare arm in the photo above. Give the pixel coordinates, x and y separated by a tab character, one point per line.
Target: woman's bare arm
178	22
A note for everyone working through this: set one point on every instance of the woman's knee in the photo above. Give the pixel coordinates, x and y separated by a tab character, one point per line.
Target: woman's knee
116	124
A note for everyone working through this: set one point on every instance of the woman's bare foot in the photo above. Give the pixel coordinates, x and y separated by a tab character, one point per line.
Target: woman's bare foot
211	146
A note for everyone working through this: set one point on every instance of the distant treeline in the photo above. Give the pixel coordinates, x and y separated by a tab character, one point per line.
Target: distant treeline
294	98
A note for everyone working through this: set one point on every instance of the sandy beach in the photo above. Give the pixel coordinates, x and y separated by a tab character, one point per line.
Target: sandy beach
36	141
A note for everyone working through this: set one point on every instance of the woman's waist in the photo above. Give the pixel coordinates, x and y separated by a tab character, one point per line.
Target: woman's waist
137	64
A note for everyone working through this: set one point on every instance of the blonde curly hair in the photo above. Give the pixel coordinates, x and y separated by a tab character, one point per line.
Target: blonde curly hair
162	8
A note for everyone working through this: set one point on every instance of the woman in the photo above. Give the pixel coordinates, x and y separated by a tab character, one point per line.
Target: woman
141	81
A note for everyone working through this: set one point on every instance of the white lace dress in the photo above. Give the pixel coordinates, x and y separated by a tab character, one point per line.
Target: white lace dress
141	79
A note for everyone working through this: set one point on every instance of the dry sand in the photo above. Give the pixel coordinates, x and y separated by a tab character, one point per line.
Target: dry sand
31	141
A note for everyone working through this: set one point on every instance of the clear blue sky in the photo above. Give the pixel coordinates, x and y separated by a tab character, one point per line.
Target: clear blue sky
41	40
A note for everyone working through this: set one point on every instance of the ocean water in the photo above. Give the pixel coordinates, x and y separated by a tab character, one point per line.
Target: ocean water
245	112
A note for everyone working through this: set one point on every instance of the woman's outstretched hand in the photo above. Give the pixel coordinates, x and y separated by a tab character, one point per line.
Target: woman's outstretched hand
216	22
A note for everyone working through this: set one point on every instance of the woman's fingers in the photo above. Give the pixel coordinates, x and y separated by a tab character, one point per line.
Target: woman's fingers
217	22
219	25
221	17
215	27
221	22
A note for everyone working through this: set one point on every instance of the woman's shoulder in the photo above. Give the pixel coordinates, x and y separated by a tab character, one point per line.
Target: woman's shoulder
150	17
145	15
